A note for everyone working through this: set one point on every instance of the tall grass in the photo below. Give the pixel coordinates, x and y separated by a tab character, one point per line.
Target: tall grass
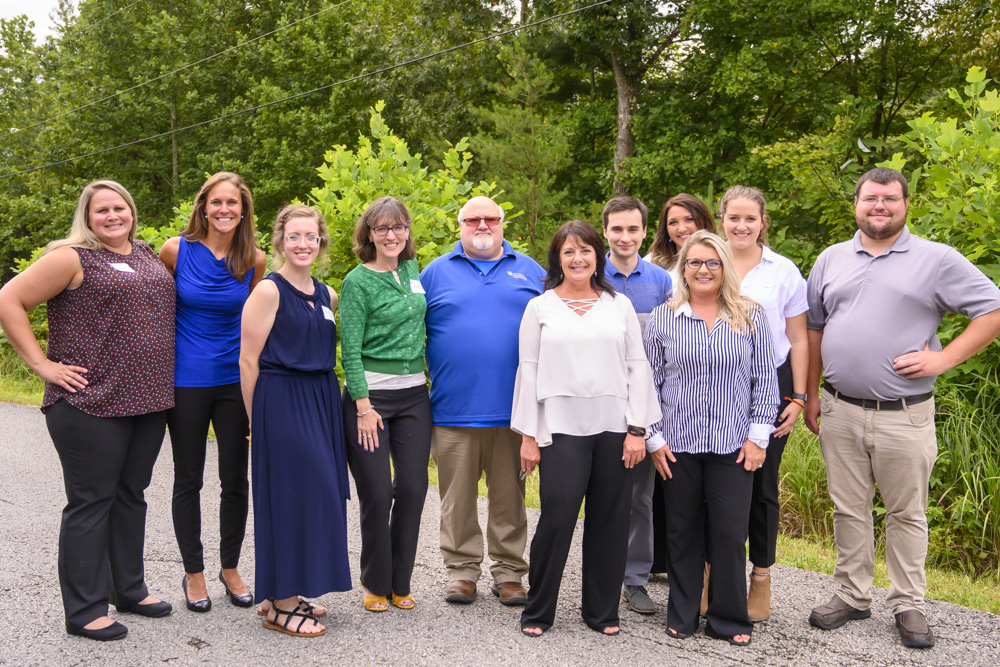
964	497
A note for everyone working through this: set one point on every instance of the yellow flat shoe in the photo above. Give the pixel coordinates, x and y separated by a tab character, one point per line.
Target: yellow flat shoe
403	601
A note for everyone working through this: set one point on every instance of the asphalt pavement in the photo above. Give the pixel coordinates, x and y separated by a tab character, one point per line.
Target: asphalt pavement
434	633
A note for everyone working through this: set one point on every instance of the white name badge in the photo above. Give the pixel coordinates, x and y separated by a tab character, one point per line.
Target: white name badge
121	266
416	287
327	313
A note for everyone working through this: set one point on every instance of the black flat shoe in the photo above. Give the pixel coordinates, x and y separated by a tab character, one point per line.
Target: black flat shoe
149	610
200	606
242	600
108	634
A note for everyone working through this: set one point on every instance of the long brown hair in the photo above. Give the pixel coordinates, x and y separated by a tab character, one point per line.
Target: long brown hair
663	251
242	252
586	235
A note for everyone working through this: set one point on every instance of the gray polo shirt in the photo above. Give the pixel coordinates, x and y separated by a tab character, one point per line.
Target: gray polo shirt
874	309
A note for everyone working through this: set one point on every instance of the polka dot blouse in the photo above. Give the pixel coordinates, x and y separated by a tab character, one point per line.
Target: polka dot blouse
119	325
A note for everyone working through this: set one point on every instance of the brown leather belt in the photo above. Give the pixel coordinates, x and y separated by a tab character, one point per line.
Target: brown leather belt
875	404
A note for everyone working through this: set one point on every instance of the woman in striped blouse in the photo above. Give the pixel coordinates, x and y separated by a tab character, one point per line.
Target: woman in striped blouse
713	366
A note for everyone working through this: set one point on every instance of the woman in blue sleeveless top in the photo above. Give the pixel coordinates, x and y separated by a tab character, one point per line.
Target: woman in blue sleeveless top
215	263
300	489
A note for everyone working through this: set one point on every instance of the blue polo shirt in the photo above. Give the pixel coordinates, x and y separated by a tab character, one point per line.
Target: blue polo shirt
473	318
646	287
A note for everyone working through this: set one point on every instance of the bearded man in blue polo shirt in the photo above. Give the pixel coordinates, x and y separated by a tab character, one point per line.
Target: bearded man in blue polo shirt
476	295
647	286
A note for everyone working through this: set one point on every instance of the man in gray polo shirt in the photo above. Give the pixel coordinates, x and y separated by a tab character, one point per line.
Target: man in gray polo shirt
875	304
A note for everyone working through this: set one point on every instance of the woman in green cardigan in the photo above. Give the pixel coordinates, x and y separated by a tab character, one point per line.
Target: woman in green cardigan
387	410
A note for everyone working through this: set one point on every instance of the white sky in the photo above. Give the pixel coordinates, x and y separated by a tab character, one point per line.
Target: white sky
37	11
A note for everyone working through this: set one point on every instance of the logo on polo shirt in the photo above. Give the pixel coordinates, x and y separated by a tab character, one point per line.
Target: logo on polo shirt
519	276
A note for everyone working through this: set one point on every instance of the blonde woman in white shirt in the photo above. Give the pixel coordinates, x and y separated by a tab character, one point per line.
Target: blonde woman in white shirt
582	401
775	283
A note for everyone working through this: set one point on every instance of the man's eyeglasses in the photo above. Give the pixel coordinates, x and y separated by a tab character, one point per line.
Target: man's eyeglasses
490	220
398	230
712	264
888	201
311	240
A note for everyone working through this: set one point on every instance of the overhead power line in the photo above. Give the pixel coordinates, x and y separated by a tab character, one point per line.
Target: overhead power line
179	69
310	92
114	13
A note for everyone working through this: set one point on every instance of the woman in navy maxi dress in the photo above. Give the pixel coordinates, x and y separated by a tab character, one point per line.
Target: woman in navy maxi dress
299	465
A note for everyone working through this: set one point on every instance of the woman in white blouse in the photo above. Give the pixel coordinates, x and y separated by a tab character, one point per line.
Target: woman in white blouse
775	283
713	366
582	401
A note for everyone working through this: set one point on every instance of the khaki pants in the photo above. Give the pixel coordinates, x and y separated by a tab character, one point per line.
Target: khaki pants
895	450
462	455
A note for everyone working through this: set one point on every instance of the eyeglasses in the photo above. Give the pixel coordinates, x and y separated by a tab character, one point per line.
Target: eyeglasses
888	201
712	264
311	240
491	221
382	230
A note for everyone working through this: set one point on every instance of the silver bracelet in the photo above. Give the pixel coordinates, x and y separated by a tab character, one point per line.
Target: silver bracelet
362	414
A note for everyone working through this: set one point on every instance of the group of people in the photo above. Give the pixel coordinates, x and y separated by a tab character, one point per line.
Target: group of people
660	385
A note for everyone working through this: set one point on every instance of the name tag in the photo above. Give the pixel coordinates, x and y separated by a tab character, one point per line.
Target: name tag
416	287
327	313
121	266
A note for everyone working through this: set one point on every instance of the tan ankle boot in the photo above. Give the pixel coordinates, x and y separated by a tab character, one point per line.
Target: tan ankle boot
704	591
759	598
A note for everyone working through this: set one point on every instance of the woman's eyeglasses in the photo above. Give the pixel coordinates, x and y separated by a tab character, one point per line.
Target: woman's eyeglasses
712	264
382	230
311	240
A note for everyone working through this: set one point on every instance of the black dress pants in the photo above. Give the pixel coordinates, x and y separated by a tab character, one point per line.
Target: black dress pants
107	464
392	499
713	491
765	512
194	408
573	468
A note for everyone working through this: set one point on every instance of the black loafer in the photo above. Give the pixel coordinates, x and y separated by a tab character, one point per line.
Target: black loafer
200	606
913	629
150	610
836	613
108	634
242	600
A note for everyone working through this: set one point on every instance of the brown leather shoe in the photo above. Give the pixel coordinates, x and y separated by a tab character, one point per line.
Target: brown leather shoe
511	593
835	613
460	591
913	629
759	597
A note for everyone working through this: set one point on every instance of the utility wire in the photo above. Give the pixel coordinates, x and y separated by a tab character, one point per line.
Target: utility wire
309	92
119	11
179	69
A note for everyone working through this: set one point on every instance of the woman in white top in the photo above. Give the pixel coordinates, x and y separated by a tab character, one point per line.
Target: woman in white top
775	283
582	401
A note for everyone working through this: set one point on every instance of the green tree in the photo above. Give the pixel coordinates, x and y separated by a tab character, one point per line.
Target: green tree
383	165
525	144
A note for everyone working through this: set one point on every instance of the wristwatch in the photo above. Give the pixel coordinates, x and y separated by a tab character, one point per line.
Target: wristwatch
760	443
637	430
802	397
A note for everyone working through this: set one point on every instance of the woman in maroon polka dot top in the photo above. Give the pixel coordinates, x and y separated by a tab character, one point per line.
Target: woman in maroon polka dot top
108	373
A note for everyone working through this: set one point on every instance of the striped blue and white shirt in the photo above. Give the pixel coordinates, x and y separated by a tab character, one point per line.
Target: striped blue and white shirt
717	389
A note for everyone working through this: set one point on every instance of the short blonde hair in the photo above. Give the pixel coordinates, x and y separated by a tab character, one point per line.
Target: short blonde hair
290	213
80	233
734	308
